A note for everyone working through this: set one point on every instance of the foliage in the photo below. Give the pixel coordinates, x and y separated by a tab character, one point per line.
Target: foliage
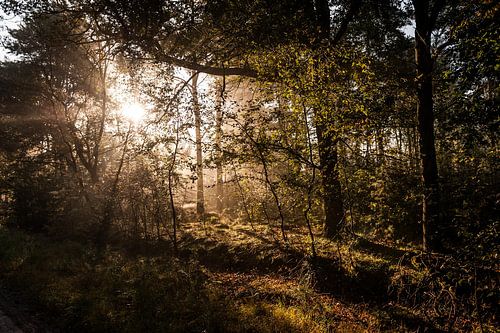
319	129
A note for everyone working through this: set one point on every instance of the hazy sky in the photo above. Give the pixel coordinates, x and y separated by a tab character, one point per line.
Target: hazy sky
6	22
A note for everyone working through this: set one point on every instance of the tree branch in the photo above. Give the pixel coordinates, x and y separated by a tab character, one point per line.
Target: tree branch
212	70
352	12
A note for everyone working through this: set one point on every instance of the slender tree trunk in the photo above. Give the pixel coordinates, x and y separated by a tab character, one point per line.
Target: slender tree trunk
310	187
157	222
170	178
273	192
218	148
425	114
410	147
145	220
415	157
109	205
103	73
380	146
174	212
200	200
135	215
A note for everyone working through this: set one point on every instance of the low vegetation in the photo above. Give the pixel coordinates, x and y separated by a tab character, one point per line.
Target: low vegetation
231	281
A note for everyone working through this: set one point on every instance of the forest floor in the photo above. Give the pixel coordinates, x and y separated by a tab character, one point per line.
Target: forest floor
228	276
339	290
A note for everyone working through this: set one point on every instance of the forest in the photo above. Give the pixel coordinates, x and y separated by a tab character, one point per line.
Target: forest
249	166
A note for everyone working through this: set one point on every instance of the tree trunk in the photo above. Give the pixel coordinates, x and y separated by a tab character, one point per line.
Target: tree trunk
332	193
200	200
171	190
327	145
109	205
218	148
425	114
310	187
380	146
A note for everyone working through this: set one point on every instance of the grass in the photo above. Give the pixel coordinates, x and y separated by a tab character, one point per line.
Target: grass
85	291
228	277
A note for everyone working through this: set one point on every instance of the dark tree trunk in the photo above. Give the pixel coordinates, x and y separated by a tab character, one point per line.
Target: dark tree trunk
332	192
327	143
109	205
425	20
171	190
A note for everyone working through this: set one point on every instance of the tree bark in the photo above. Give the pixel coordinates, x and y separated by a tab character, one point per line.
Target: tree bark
218	147
200	200
425	20
332	190
327	142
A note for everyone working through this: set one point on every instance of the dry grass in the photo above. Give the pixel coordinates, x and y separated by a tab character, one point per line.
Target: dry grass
229	277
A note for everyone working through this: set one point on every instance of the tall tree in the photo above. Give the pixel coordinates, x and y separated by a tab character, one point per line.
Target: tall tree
200	197
327	143
426	14
219	190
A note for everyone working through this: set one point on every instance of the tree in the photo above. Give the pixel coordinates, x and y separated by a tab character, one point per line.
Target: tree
314	23
172	33
31	169
219	103
74	86
200	198
426	14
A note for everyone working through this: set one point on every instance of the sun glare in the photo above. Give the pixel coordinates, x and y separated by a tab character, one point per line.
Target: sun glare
134	112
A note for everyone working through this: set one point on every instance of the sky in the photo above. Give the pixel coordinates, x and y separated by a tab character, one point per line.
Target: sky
6	22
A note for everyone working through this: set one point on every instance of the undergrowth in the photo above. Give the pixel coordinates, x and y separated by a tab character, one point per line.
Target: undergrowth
224	282
79	289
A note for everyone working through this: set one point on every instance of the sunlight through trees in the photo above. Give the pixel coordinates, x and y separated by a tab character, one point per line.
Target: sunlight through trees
314	158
